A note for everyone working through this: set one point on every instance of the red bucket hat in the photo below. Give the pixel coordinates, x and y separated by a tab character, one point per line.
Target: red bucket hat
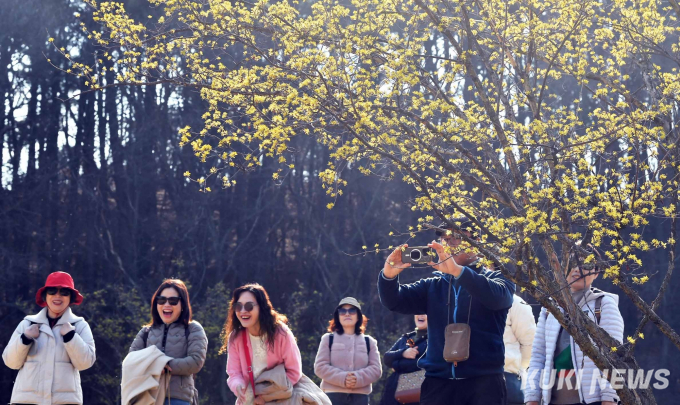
58	279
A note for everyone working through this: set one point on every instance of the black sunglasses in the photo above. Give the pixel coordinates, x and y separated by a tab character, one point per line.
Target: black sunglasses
248	306
345	311
64	292
172	300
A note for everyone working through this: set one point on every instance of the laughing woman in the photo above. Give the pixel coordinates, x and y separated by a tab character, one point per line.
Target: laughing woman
51	348
174	332
348	362
257	339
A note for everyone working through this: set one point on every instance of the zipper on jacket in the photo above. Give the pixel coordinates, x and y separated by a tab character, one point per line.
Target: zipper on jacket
573	360
165	337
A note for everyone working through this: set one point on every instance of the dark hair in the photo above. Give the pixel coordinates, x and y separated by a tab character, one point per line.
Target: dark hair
270	320
465	223
181	288
583	251
334	324
43	295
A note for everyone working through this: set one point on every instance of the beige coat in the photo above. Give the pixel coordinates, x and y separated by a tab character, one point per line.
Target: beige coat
143	381
49	369
274	387
518	337
348	354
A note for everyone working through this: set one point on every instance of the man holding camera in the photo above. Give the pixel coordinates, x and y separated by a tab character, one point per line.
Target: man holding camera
461	291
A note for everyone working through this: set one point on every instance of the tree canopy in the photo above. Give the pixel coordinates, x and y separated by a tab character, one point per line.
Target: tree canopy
546	123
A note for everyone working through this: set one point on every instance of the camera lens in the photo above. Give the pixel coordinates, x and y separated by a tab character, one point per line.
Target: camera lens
416	254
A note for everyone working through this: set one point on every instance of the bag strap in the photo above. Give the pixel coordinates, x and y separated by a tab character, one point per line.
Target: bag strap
368	345
244	333
448	305
330	342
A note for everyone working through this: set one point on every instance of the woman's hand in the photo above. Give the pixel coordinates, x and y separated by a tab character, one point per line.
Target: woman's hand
536	403
410	353
241	394
168	369
66	328
32	332
350	380
393	264
259	400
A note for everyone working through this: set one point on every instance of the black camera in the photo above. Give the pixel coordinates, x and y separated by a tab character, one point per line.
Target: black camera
418	255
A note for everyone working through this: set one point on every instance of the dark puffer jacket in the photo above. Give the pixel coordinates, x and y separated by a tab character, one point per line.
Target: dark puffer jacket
188	353
394	359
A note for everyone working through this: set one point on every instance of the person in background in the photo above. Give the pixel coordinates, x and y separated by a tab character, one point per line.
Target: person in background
555	349
348	362
257	338
175	333
403	357
518	337
51	348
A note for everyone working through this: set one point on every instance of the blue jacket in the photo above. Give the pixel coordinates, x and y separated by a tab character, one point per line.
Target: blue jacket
492	296
394	358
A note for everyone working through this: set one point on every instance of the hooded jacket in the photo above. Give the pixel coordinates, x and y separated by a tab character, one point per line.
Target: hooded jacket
49	368
545	342
490	295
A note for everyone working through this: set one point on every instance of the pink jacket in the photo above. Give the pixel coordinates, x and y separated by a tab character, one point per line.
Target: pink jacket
285	352
348	354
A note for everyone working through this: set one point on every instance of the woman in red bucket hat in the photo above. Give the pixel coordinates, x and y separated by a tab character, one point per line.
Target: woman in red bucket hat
51	348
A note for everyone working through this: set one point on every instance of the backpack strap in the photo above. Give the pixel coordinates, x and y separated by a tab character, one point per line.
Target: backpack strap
330	343
598	308
145	335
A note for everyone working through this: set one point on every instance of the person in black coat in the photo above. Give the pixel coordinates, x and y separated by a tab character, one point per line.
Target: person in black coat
403	357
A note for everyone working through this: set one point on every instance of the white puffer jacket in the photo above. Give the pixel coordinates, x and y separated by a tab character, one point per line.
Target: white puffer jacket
48	367
545	342
520	328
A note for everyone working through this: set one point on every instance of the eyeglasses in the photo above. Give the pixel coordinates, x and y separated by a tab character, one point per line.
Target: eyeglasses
171	300
345	311
64	292
248	306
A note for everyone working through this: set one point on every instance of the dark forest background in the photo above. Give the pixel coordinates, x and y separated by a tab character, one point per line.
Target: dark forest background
94	185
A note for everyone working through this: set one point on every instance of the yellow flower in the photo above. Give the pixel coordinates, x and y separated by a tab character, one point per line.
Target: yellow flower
641	335
614	349
187	174
330	205
208	189
534	283
631	340
364	247
51	40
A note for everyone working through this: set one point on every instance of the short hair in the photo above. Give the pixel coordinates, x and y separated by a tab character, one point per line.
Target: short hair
181	288
334	324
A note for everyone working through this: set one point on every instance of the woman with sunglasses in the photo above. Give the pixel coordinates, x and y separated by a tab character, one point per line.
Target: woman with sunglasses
403	357
178	336
51	348
257	339
348	362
